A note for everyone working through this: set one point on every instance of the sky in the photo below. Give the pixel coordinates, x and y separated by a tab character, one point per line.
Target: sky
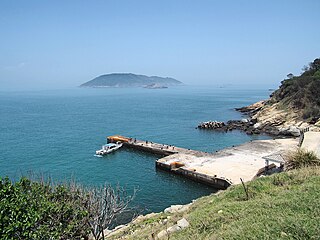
61	44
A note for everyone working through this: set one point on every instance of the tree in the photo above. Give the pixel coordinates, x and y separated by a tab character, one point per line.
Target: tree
104	205
290	75
39	210
315	65
44	210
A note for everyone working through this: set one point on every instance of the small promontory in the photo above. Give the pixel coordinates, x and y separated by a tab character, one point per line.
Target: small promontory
129	80
295	105
291	108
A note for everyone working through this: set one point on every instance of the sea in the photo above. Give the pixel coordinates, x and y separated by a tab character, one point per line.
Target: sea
56	133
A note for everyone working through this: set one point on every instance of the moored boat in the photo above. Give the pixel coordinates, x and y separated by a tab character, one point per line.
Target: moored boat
108	148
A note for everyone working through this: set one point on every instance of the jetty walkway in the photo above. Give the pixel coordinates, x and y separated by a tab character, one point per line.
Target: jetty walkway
219	169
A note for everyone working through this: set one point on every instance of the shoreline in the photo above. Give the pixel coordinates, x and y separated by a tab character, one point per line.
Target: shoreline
232	163
241	161
218	169
264	118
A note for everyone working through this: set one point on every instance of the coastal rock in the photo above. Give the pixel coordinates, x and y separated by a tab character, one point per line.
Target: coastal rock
183	223
106	232
251	109
257	125
211	125
168	231
162	234
143	217
173	229
177	208
246	125
290	131
269	119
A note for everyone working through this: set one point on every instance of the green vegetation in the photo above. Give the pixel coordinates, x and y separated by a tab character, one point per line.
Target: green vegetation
129	80
284	206
301	158
301	92
41	210
37	210
280	206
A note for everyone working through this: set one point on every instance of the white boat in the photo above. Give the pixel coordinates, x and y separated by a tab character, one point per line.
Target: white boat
108	148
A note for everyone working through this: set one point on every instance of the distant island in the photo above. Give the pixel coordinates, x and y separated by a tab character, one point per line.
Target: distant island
130	80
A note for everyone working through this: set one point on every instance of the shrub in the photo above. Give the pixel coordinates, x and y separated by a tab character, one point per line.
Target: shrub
311	111
42	210
37	210
301	158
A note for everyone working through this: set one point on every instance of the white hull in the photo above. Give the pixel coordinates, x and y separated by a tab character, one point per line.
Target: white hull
106	149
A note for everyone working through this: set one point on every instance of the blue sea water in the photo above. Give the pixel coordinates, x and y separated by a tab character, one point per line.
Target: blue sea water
57	133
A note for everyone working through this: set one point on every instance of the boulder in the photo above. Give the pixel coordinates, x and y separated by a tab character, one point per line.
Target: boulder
294	131
183	223
168	231
173	229
257	125
162	234
289	131
211	125
177	208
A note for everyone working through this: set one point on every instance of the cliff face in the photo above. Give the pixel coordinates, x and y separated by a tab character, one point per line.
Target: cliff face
296	104
272	119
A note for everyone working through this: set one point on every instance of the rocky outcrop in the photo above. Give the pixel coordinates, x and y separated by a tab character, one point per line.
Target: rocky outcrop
168	225
253	108
211	125
264	117
177	208
243	125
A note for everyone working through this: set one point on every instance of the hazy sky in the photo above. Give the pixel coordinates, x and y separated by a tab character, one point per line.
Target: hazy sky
60	44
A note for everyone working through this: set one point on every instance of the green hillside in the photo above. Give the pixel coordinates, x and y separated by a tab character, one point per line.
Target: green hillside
301	92
281	206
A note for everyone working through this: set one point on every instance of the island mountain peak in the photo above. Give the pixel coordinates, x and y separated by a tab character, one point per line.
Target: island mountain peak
129	80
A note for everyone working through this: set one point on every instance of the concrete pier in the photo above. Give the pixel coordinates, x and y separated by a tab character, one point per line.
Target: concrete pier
219	169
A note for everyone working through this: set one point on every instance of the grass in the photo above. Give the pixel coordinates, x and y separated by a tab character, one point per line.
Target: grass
281	206
301	158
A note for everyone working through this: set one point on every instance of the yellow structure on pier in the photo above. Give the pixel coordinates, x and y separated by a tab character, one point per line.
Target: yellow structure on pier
118	138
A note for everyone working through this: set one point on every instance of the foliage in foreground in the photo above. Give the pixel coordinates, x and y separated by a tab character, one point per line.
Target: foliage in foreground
301	158
37	210
40	210
280	206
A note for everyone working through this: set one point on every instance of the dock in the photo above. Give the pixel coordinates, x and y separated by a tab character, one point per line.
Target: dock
219	169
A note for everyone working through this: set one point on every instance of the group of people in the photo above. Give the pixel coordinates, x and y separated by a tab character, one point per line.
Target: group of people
163	146
166	147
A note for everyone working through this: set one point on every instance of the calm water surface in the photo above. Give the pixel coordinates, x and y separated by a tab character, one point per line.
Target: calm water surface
57	133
